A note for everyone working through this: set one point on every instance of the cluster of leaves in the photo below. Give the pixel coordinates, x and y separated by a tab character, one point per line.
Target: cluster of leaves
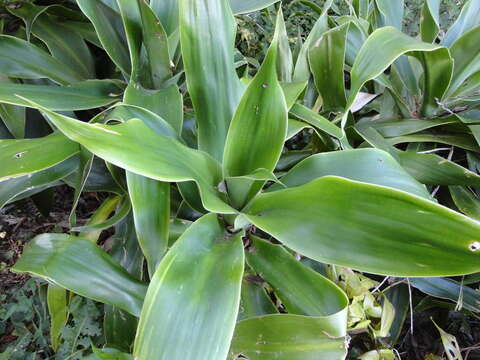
267	211
25	325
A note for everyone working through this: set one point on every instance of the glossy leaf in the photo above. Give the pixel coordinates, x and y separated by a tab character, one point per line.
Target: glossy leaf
167	13
207	33
68	262
465	53
467	19
286	337
110	31
151	217
327	59
83	95
146	153
246	6
254	300
466	201
380	50
430	20
369	228
449	289
302	290
25	156
261	114
65	45
24	60
316	120
190	311
366	165
12	188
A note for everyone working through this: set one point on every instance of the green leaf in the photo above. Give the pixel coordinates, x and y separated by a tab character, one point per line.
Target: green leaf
449	289
110	31
430	20
12	188
190	311
26	156
466	56
167	12
57	308
83	95
207	34
466	201
467	19
432	169
379	51
29	13
166	103
151	217
156	45
12	116
261	115
147	153
286	337
398	296
316	120
24	60
369	228
83	268
391	12
327	59
371	166
246	6
65	45
254	300
450	344
302	290
284	54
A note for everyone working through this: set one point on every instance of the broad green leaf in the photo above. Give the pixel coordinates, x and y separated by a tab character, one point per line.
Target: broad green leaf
430	20
449	289
316	120
327	59
26	156
29	13
391	12
207	34
166	103
294	127
133	146
246	6
190	311
83	95
107	354
399	127
302	290
156	45
85	30
24	60
83	268
438	71
57	308
467	19
371	166
12	188
258	129
466	56
432	169
369	228
110	31
65	45
167	12
292	91
378	52
302	69
466	201
286	337
254	301
151	217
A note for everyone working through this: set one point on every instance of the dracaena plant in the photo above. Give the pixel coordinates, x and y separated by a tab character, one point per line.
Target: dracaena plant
251	214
